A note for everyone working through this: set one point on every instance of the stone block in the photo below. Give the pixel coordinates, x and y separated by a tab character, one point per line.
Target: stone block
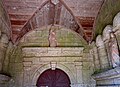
86	76
61	59
73	59
36	61
28	59
18	67
48	59
18	79
86	65
26	78
27	64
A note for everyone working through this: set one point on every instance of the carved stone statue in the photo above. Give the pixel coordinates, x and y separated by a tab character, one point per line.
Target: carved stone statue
52	38
114	50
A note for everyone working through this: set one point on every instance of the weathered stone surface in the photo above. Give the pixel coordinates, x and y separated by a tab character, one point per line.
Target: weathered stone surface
4	80
106	32
110	77
34	58
27	64
4	39
67	56
64	37
35	51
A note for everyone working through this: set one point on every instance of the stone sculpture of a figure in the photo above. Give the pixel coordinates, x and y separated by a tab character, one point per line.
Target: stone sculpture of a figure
115	58
52	38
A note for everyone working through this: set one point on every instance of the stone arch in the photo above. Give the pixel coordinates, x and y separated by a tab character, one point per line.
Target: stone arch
40	70
34	33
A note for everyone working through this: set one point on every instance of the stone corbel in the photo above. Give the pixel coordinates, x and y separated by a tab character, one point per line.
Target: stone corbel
53	65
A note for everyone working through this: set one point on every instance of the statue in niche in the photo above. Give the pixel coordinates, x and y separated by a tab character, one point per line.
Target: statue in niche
115	58
52	38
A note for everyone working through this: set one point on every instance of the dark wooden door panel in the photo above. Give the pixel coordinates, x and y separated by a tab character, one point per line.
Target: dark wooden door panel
53	78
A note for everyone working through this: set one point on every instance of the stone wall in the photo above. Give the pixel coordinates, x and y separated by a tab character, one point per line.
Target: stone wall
33	55
38	59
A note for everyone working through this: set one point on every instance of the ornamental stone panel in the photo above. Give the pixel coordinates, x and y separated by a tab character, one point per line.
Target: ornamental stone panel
45	51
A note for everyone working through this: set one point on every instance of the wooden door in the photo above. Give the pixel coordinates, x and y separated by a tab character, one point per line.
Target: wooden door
53	78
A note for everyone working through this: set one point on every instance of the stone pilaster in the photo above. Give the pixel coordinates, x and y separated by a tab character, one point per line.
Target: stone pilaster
79	75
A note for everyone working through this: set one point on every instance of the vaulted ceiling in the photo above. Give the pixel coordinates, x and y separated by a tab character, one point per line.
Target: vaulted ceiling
84	13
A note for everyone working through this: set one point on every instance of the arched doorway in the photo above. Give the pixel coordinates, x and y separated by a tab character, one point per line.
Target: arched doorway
53	78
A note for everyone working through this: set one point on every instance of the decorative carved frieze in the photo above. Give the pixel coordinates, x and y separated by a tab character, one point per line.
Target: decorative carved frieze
46	51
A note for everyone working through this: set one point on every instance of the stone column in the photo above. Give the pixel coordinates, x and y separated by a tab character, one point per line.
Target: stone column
102	52
26	75
3	46
79	75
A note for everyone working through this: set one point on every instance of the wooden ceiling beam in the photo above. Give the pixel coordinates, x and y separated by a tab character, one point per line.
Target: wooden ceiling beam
84	11
19	17
18	22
